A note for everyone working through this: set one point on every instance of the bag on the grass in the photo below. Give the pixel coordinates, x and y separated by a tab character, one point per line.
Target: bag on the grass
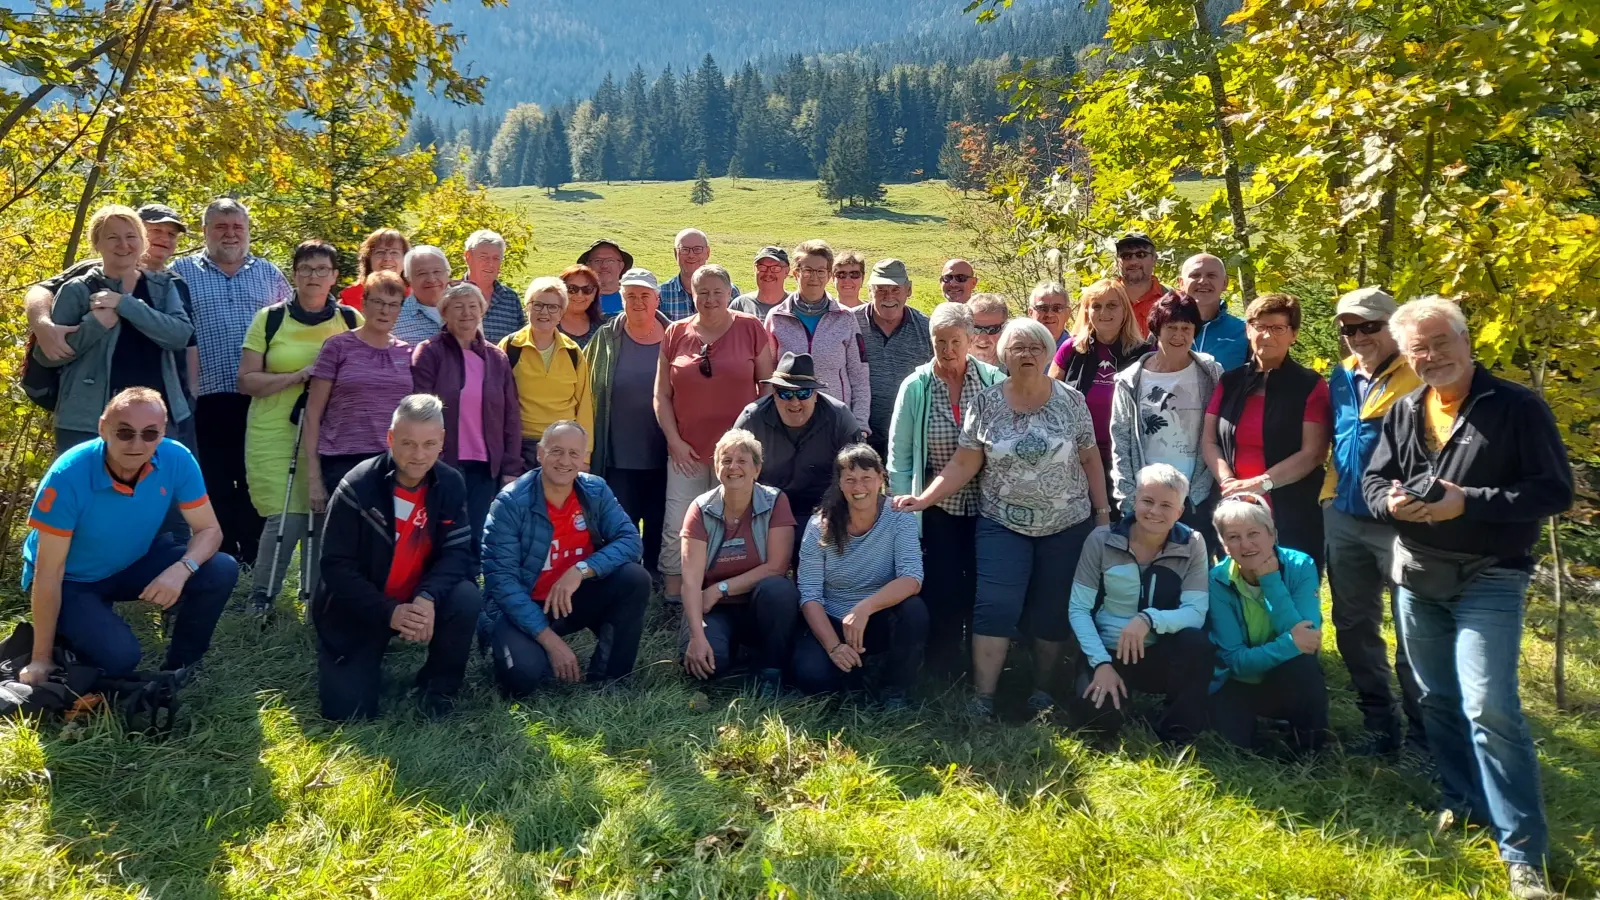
146	702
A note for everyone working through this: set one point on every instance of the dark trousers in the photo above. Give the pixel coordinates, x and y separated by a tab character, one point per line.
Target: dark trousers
482	486
335	466
1199	518
611	607
950	570
89	625
765	622
1178	666
219	432
349	678
643	495
899	634
1294	691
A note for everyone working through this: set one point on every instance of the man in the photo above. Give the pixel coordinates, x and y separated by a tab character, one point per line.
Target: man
485	253
801	430
989	315
1203	278
96	542
1136	266
559	556
229	286
957	281
415	576
896	337
1050	306
692	250
427	273
1466	470
609	261
772	267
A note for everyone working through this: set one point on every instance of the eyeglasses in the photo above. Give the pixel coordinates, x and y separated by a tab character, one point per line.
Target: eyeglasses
544	307
1134	254
693	251
1363	328
1046	308
1274	330
794	393
316	272
813	273
375	303
989	329
582	290
126	434
956	278
771	268
848	276
705	360
604	263
1025	350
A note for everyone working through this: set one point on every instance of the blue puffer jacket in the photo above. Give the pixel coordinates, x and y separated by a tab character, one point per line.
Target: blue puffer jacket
516	540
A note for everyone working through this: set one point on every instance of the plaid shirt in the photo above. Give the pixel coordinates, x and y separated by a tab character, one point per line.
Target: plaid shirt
223	309
944	432
505	314
676	301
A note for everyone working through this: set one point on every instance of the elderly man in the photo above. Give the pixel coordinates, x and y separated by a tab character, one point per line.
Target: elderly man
609	261
692	250
989	316
1466	470
416	577
228	285
427	273
485	253
1050	306
1136	266
1202	279
95	542
1361	390
957	281
896	339
772	267
560	556
801	430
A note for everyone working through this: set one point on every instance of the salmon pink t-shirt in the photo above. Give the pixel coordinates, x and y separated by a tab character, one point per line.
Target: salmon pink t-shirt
707	407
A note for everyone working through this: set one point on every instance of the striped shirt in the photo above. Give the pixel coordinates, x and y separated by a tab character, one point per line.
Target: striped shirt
505	314
224	306
677	303
839	581
890	358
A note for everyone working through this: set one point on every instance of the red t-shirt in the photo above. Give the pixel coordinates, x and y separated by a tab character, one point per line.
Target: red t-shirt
352	296
1143	305
736	556
412	545
1249	447
568	544
706	407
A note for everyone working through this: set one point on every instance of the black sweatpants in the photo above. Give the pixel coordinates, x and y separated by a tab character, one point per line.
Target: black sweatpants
643	495
764	622
219	433
1294	691
1177	666
950	566
611	607
899	633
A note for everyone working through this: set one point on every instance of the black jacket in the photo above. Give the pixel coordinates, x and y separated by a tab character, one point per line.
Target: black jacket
800	465
1506	454
358	548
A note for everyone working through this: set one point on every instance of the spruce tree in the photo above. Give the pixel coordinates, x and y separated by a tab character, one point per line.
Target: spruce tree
530	142
701	194
846	176
555	163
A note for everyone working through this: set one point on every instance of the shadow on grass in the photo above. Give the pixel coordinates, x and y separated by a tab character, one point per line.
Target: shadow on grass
577	196
882	214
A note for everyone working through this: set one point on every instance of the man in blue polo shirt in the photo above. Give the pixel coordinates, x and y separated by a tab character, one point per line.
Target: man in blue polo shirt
94	543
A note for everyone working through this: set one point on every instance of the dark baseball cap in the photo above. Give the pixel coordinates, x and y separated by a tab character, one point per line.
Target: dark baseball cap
156	214
1133	239
773	253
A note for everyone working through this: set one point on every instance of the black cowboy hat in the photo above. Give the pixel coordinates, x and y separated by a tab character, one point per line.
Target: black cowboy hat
795	372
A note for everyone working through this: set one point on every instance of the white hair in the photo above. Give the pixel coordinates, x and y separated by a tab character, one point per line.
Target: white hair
1244	509
690	232
1163	475
424	409
988	303
462	289
1414	312
1017	329
1047	289
950	315
419	252
545	284
222	206
484	236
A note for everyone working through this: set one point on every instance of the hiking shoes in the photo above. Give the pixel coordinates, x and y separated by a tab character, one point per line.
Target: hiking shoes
980	710
1527	883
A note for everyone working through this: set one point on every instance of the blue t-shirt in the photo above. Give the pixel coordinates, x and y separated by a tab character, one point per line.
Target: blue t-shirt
611	304
111	525
809	321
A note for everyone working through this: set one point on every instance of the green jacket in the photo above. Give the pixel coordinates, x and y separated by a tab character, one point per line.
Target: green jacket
908	429
602	353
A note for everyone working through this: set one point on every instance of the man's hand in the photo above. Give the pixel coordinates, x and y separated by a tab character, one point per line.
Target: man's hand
698	658
425	607
855	627
1405	507
562	660
558	605
52	339
1306	637
36	672
410	621
845	657
167	587
1130	644
1106	684
1452	506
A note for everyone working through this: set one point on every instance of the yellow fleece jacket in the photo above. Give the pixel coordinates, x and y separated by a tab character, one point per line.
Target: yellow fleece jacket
547	395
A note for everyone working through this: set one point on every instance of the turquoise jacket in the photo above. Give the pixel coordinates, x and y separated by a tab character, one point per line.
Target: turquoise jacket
908	428
1290	595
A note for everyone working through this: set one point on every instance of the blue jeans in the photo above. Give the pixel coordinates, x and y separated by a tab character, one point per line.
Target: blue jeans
1464	653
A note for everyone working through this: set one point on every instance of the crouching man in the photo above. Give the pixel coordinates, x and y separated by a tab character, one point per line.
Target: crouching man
559	556
397	560
94	544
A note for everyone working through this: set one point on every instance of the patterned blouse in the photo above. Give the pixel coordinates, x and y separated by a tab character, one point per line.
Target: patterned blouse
1032	480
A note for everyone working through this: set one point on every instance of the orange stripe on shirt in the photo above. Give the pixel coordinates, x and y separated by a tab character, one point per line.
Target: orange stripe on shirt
49	529
196	504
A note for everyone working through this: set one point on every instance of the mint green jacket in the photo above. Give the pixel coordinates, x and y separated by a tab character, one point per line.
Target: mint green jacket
908	429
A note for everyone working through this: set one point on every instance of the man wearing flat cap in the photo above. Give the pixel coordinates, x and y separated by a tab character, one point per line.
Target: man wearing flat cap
896	340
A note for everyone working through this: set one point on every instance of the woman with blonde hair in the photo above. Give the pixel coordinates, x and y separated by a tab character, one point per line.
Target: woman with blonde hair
551	374
849	274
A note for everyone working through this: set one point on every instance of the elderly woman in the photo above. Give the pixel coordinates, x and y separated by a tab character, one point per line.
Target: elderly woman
384	250
924	436
427	274
1268	426
482	412
711	366
1158	412
630	452
849	273
1042	492
551	373
1049	305
860	572
989	316
737	541
1266	623
359	379
1138	608
280	353
582	317
809	321
131	329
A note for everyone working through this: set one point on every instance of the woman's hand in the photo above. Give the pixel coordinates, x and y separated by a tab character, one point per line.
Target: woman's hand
1130	644
105	300
316	494
1267	567
855	627
304	375
1306	637
1106	683
910	503
698	658
844	656
709	597
684	459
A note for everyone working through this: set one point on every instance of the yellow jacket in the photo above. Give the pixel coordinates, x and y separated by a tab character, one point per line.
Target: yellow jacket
547	395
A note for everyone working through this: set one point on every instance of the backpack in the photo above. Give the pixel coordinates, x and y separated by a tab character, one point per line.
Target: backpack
145	701
40	382
277	311
514	353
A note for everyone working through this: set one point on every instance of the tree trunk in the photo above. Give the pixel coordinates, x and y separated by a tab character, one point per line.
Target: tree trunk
1230	153
1387	203
1537	375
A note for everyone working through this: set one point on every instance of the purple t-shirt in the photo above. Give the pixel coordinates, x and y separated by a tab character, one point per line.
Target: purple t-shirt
1099	396
368	383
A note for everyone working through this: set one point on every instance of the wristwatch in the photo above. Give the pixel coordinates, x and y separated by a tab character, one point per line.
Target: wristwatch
722	587
583	569
191	565
1266	482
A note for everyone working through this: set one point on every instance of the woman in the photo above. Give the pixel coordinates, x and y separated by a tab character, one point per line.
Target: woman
860	571
358	380
1041	494
1158	412
711	366
849	273
1267	426
582	316
737	540
384	250
427	273
1138	609
1266	622
482	413
131	328
280	351
924	436
809	321
630	452
552	376
1104	340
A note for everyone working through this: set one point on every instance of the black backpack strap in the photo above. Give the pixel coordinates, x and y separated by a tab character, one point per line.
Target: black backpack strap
573	353
275	314
513	353
349	314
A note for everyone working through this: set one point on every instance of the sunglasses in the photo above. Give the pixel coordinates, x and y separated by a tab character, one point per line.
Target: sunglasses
705	360
1252	499
126	434
1363	328
989	329
1134	254
847	276
794	393
956	279
582	290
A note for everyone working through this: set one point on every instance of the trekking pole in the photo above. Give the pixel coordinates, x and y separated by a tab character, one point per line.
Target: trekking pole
274	584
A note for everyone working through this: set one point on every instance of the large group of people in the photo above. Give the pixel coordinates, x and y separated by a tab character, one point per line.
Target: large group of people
831	489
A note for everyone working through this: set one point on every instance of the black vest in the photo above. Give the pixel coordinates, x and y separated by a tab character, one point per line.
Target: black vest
1288	389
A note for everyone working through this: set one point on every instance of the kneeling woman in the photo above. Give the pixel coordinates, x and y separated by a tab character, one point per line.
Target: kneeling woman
860	571
737	541
1141	589
1266	622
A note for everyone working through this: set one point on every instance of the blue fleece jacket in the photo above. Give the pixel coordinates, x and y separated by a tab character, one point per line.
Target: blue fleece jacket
1290	595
